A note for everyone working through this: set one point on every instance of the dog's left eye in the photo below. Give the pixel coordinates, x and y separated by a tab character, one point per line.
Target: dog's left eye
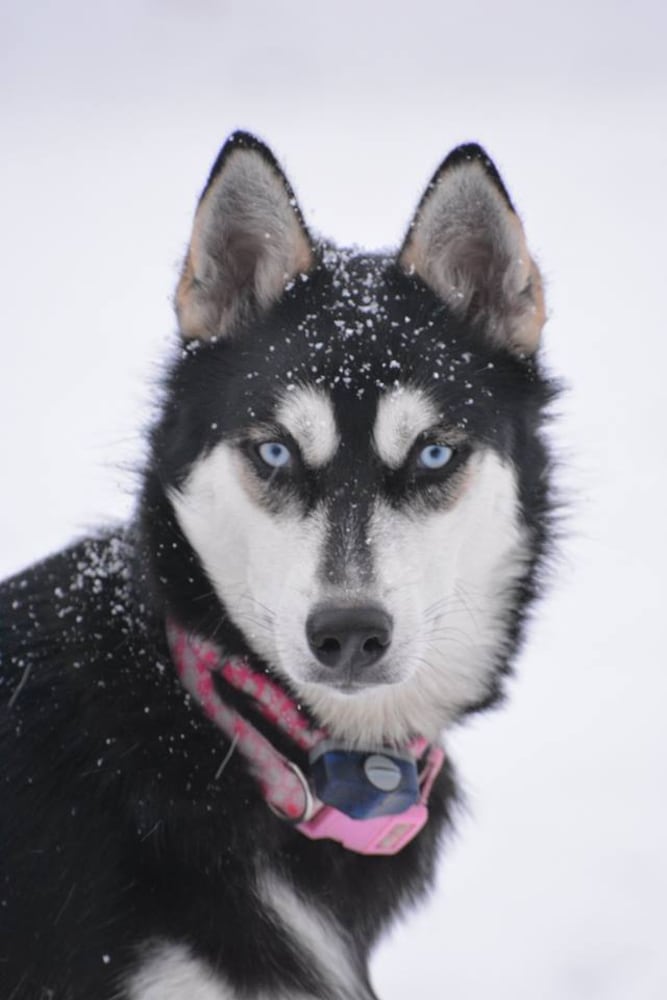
274	454
435	456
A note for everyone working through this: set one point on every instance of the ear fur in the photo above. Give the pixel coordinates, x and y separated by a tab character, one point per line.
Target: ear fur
468	244
248	241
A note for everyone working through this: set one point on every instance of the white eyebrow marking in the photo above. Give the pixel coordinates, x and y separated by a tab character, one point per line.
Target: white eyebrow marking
308	415
402	416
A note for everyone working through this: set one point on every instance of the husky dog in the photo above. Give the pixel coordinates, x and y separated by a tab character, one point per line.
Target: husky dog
221	725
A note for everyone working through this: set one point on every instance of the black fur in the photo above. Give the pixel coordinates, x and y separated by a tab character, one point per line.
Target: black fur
114	829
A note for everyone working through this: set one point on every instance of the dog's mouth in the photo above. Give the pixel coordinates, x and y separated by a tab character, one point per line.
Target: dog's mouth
350	684
354	677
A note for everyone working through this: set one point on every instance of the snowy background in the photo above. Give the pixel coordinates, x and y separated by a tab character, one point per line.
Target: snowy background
112	112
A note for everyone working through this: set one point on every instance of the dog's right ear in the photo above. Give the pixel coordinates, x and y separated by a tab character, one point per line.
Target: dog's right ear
248	242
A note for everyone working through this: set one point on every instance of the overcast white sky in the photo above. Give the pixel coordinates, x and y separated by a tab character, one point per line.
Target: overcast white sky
112	113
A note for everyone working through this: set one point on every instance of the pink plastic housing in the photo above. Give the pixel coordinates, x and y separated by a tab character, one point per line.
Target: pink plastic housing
382	835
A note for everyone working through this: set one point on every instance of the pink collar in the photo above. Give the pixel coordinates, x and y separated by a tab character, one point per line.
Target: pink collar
284	786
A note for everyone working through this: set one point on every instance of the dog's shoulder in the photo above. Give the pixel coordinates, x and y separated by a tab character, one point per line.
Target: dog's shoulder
57	617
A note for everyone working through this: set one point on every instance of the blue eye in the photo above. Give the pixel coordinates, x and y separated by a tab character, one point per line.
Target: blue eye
274	453
435	456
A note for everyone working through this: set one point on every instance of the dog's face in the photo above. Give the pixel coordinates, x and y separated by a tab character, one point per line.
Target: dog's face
354	482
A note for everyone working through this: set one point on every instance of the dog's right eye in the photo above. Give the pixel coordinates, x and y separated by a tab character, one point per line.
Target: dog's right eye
274	454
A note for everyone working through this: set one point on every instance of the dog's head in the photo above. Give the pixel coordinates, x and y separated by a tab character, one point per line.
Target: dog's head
350	443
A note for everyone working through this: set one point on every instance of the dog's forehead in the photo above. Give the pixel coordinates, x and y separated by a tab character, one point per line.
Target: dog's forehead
389	357
389	425
360	351
363	321
359	299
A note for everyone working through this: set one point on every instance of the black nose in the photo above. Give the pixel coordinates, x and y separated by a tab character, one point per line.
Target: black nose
349	638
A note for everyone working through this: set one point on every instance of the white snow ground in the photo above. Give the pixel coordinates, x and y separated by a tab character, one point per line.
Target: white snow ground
556	885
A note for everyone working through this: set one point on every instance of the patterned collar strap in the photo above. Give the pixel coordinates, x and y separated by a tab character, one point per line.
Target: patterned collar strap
285	788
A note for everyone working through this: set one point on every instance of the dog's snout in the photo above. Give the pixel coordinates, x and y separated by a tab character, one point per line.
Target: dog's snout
349	638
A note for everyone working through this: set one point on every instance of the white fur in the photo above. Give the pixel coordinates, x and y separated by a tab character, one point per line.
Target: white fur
308	414
262	565
327	944
170	972
445	577
402	415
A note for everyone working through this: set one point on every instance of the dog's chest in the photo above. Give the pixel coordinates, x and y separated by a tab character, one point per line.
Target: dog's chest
170	971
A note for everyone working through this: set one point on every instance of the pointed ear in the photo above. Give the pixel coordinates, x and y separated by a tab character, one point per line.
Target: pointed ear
468	244
248	241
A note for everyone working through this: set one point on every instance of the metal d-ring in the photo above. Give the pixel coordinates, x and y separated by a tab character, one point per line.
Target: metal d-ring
310	807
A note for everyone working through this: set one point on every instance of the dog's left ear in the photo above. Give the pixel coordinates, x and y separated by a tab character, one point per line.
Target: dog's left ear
248	242
468	244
